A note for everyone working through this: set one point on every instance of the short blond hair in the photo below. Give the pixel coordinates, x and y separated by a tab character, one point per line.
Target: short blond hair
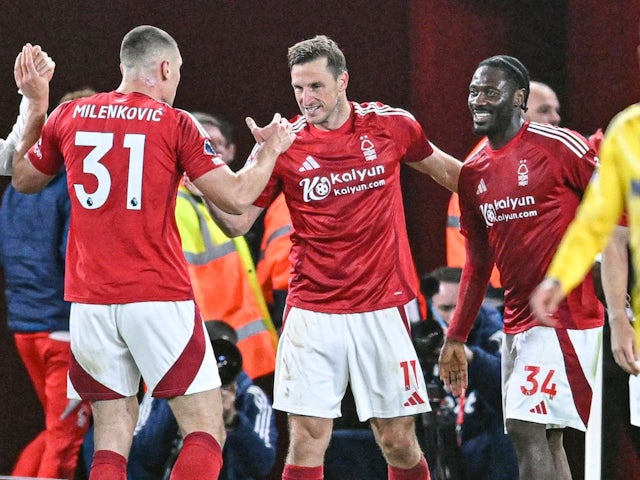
80	93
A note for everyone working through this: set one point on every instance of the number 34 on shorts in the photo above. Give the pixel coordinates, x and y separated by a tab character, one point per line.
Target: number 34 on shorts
539	381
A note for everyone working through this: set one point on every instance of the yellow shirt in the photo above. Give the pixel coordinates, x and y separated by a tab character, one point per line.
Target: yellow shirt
614	189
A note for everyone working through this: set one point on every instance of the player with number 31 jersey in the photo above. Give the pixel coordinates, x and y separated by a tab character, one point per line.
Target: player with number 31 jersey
113	162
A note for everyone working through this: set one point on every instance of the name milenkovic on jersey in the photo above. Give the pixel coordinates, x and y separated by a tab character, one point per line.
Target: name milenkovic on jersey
122	112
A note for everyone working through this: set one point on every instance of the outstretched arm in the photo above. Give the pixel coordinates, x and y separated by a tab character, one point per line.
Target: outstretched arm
235	223
233	193
442	167
231	225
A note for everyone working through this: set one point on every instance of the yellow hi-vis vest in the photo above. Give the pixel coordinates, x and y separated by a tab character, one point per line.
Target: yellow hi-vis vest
221	270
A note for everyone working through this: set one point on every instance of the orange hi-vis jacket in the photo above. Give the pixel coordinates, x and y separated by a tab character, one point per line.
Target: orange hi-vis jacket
225	283
274	268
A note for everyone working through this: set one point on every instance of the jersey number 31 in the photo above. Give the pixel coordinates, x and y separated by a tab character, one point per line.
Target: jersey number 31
102	143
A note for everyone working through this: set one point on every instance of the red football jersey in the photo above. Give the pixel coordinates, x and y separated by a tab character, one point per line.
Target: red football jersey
516	203
350	250
124	156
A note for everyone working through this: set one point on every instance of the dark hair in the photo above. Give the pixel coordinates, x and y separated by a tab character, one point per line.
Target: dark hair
221	329
514	69
430	283
318	47
447	274
226	129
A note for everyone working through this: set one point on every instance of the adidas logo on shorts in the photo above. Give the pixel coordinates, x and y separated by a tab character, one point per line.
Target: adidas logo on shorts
414	399
541	408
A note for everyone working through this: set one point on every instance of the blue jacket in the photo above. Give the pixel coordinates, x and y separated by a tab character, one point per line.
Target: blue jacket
483	404
249	452
250	449
33	242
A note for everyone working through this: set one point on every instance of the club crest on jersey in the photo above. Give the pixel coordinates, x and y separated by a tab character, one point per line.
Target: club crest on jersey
368	150
523	174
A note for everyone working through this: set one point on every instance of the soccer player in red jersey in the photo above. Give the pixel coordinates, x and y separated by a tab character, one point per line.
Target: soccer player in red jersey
352	272
132	312
517	196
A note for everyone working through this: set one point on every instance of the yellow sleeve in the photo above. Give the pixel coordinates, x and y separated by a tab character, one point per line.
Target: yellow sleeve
597	215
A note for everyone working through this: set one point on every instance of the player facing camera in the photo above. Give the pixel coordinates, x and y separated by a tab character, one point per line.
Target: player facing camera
229	360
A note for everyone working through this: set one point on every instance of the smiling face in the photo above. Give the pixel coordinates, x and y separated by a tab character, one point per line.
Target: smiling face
496	104
321	96
494	101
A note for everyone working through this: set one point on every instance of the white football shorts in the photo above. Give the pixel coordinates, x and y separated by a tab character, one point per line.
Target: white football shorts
320	353
548	375
112	346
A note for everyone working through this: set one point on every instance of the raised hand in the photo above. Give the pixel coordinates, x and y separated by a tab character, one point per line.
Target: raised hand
261	134
45	66
280	135
32	85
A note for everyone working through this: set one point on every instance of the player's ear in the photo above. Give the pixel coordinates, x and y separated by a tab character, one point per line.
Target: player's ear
518	98
165	69
343	81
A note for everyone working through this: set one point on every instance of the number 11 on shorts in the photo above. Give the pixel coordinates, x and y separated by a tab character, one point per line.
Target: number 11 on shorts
409	368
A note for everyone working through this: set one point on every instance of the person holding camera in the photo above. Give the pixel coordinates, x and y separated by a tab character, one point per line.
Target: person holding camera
486	451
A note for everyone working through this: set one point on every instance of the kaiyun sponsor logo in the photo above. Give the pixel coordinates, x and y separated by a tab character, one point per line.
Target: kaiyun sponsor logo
504	209
344	183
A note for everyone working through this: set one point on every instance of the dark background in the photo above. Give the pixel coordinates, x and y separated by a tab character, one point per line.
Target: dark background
416	54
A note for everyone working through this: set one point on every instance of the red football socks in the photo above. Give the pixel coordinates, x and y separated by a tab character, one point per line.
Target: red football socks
419	472
108	465
296	472
199	459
